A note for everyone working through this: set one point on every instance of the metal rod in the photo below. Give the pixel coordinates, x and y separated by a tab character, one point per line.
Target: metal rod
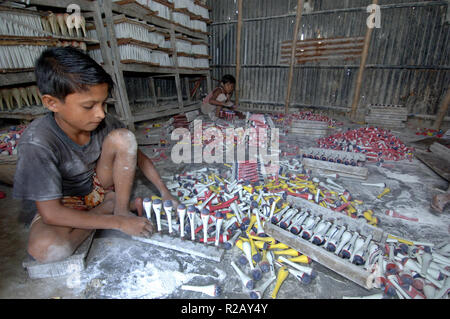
340	108
368	66
343	10
428	117
293	47
238	51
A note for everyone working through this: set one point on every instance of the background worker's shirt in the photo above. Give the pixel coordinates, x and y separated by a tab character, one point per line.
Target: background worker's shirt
50	165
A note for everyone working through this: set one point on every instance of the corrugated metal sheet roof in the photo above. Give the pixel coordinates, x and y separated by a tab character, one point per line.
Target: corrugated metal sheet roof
408	61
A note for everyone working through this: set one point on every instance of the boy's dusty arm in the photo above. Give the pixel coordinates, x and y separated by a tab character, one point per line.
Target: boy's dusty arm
149	170
213	99
54	213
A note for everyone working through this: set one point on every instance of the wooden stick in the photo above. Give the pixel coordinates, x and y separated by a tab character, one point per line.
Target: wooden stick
442	110
238	51
341	266
362	67
293	47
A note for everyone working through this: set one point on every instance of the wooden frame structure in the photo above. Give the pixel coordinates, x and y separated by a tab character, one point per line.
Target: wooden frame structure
104	13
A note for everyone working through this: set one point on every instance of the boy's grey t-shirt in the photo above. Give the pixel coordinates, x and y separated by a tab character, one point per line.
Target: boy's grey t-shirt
50	165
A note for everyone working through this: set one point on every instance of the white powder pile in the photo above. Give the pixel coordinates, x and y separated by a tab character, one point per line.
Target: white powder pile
136	273
150	282
406	178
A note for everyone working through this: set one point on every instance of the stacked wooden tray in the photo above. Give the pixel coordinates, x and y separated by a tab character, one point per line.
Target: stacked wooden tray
314	129
346	164
389	116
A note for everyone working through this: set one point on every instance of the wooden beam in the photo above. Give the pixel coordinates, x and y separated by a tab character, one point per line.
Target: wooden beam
343	267
188	92
293	48
177	73
442	110
120	88
362	67
153	91
238	52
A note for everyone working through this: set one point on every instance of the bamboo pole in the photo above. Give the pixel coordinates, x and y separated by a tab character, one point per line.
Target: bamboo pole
238	52
293	48
442	110
362	67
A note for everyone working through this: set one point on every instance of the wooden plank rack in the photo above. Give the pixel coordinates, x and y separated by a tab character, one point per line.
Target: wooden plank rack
309	128
438	159
348	158
391	116
346	164
198	249
358	274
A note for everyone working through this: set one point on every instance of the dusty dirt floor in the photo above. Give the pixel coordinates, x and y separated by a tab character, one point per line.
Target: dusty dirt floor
119	267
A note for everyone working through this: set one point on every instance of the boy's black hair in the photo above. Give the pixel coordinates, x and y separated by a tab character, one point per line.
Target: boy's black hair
63	71
228	78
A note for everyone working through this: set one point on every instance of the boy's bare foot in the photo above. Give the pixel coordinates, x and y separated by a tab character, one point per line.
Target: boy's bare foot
138	203
439	201
107	206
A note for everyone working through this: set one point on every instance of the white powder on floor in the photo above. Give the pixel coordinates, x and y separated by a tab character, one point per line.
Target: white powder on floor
122	274
151	282
406	178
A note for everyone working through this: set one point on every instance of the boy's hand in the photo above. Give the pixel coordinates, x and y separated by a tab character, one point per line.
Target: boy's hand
136	226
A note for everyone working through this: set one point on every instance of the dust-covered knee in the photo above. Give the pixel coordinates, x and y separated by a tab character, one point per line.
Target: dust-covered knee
49	249
124	140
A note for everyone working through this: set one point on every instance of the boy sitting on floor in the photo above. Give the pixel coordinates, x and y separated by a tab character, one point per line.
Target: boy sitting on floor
70	159
220	99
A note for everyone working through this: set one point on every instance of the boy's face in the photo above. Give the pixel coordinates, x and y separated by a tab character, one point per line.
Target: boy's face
81	111
229	87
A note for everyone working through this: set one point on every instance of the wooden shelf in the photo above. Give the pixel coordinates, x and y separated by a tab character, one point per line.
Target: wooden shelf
193	55
122	41
144	67
105	16
133	11
85	5
166	110
44	40
202	5
26	113
192	15
17	76
194	42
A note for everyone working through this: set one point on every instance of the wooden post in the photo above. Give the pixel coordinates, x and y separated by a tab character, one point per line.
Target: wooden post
177	71
117	66
208	82
293	48
188	92
442	110
153	92
362	67
238	51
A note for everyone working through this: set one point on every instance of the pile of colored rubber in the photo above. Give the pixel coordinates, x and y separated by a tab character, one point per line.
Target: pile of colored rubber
377	144
325	193
304	115
413	270
430	132
310	116
9	139
232	214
